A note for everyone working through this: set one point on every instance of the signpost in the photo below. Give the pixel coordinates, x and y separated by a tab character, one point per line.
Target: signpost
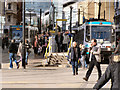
60	20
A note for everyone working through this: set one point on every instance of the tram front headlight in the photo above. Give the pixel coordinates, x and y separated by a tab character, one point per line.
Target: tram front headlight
108	46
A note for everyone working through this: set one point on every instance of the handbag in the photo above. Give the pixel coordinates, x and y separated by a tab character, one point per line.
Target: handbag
116	58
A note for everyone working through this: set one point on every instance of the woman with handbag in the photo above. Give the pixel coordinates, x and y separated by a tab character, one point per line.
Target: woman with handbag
19	53
83	56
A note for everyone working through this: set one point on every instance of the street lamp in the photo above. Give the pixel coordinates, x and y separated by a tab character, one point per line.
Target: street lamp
71	19
24	51
30	10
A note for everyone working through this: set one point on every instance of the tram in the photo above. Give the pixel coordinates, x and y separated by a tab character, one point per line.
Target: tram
102	31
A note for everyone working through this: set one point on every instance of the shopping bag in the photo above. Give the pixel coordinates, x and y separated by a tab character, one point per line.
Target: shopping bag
116	58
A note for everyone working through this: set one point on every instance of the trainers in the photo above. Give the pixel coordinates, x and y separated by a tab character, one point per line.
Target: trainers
85	79
74	74
10	68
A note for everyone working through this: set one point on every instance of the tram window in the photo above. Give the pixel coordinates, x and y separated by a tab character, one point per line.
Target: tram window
101	32
87	34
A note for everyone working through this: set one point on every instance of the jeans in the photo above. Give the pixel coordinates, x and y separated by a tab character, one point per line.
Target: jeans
91	66
64	47
83	61
26	60
12	57
59	45
74	64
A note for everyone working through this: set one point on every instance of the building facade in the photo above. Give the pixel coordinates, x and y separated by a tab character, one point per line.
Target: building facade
13	14
2	17
117	14
84	10
91	9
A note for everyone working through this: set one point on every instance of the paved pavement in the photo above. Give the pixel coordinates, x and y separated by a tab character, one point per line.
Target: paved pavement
5	56
35	76
48	77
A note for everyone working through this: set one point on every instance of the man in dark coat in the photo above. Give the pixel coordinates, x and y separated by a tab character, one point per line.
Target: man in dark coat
12	52
112	72
75	56
59	41
3	43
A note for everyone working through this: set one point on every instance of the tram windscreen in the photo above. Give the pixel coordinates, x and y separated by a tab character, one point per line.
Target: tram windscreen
101	32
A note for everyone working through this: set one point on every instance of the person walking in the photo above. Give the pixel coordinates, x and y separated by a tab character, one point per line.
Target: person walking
83	56
75	56
3	43
6	41
112	72
27	46
12	52
19	53
45	45
95	59
35	46
59	40
39	44
65	41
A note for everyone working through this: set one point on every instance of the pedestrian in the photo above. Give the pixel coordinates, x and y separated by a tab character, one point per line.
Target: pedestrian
27	46
112	72
6	41
95	59
39	44
45	45
12	53
19	53
75	56
3	43
83	56
35	46
66	40
59	40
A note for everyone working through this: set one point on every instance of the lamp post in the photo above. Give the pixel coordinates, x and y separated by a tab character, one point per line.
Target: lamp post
24	51
71	19
40	21
30	10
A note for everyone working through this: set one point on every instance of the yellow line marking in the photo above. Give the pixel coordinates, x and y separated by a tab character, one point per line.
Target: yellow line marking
12	82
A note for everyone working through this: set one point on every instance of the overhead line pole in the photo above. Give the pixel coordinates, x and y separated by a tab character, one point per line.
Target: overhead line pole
24	51
71	19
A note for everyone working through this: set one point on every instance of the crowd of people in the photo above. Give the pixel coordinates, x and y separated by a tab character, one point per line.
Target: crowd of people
38	44
15	51
112	71
77	54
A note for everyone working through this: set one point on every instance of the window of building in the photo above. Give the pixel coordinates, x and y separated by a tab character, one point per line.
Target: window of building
9	18
9	5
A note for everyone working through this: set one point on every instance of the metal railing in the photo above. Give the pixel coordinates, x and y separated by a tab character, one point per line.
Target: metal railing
48	48
70	45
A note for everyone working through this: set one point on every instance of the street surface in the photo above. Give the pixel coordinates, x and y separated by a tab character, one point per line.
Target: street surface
5	56
35	76
47	77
